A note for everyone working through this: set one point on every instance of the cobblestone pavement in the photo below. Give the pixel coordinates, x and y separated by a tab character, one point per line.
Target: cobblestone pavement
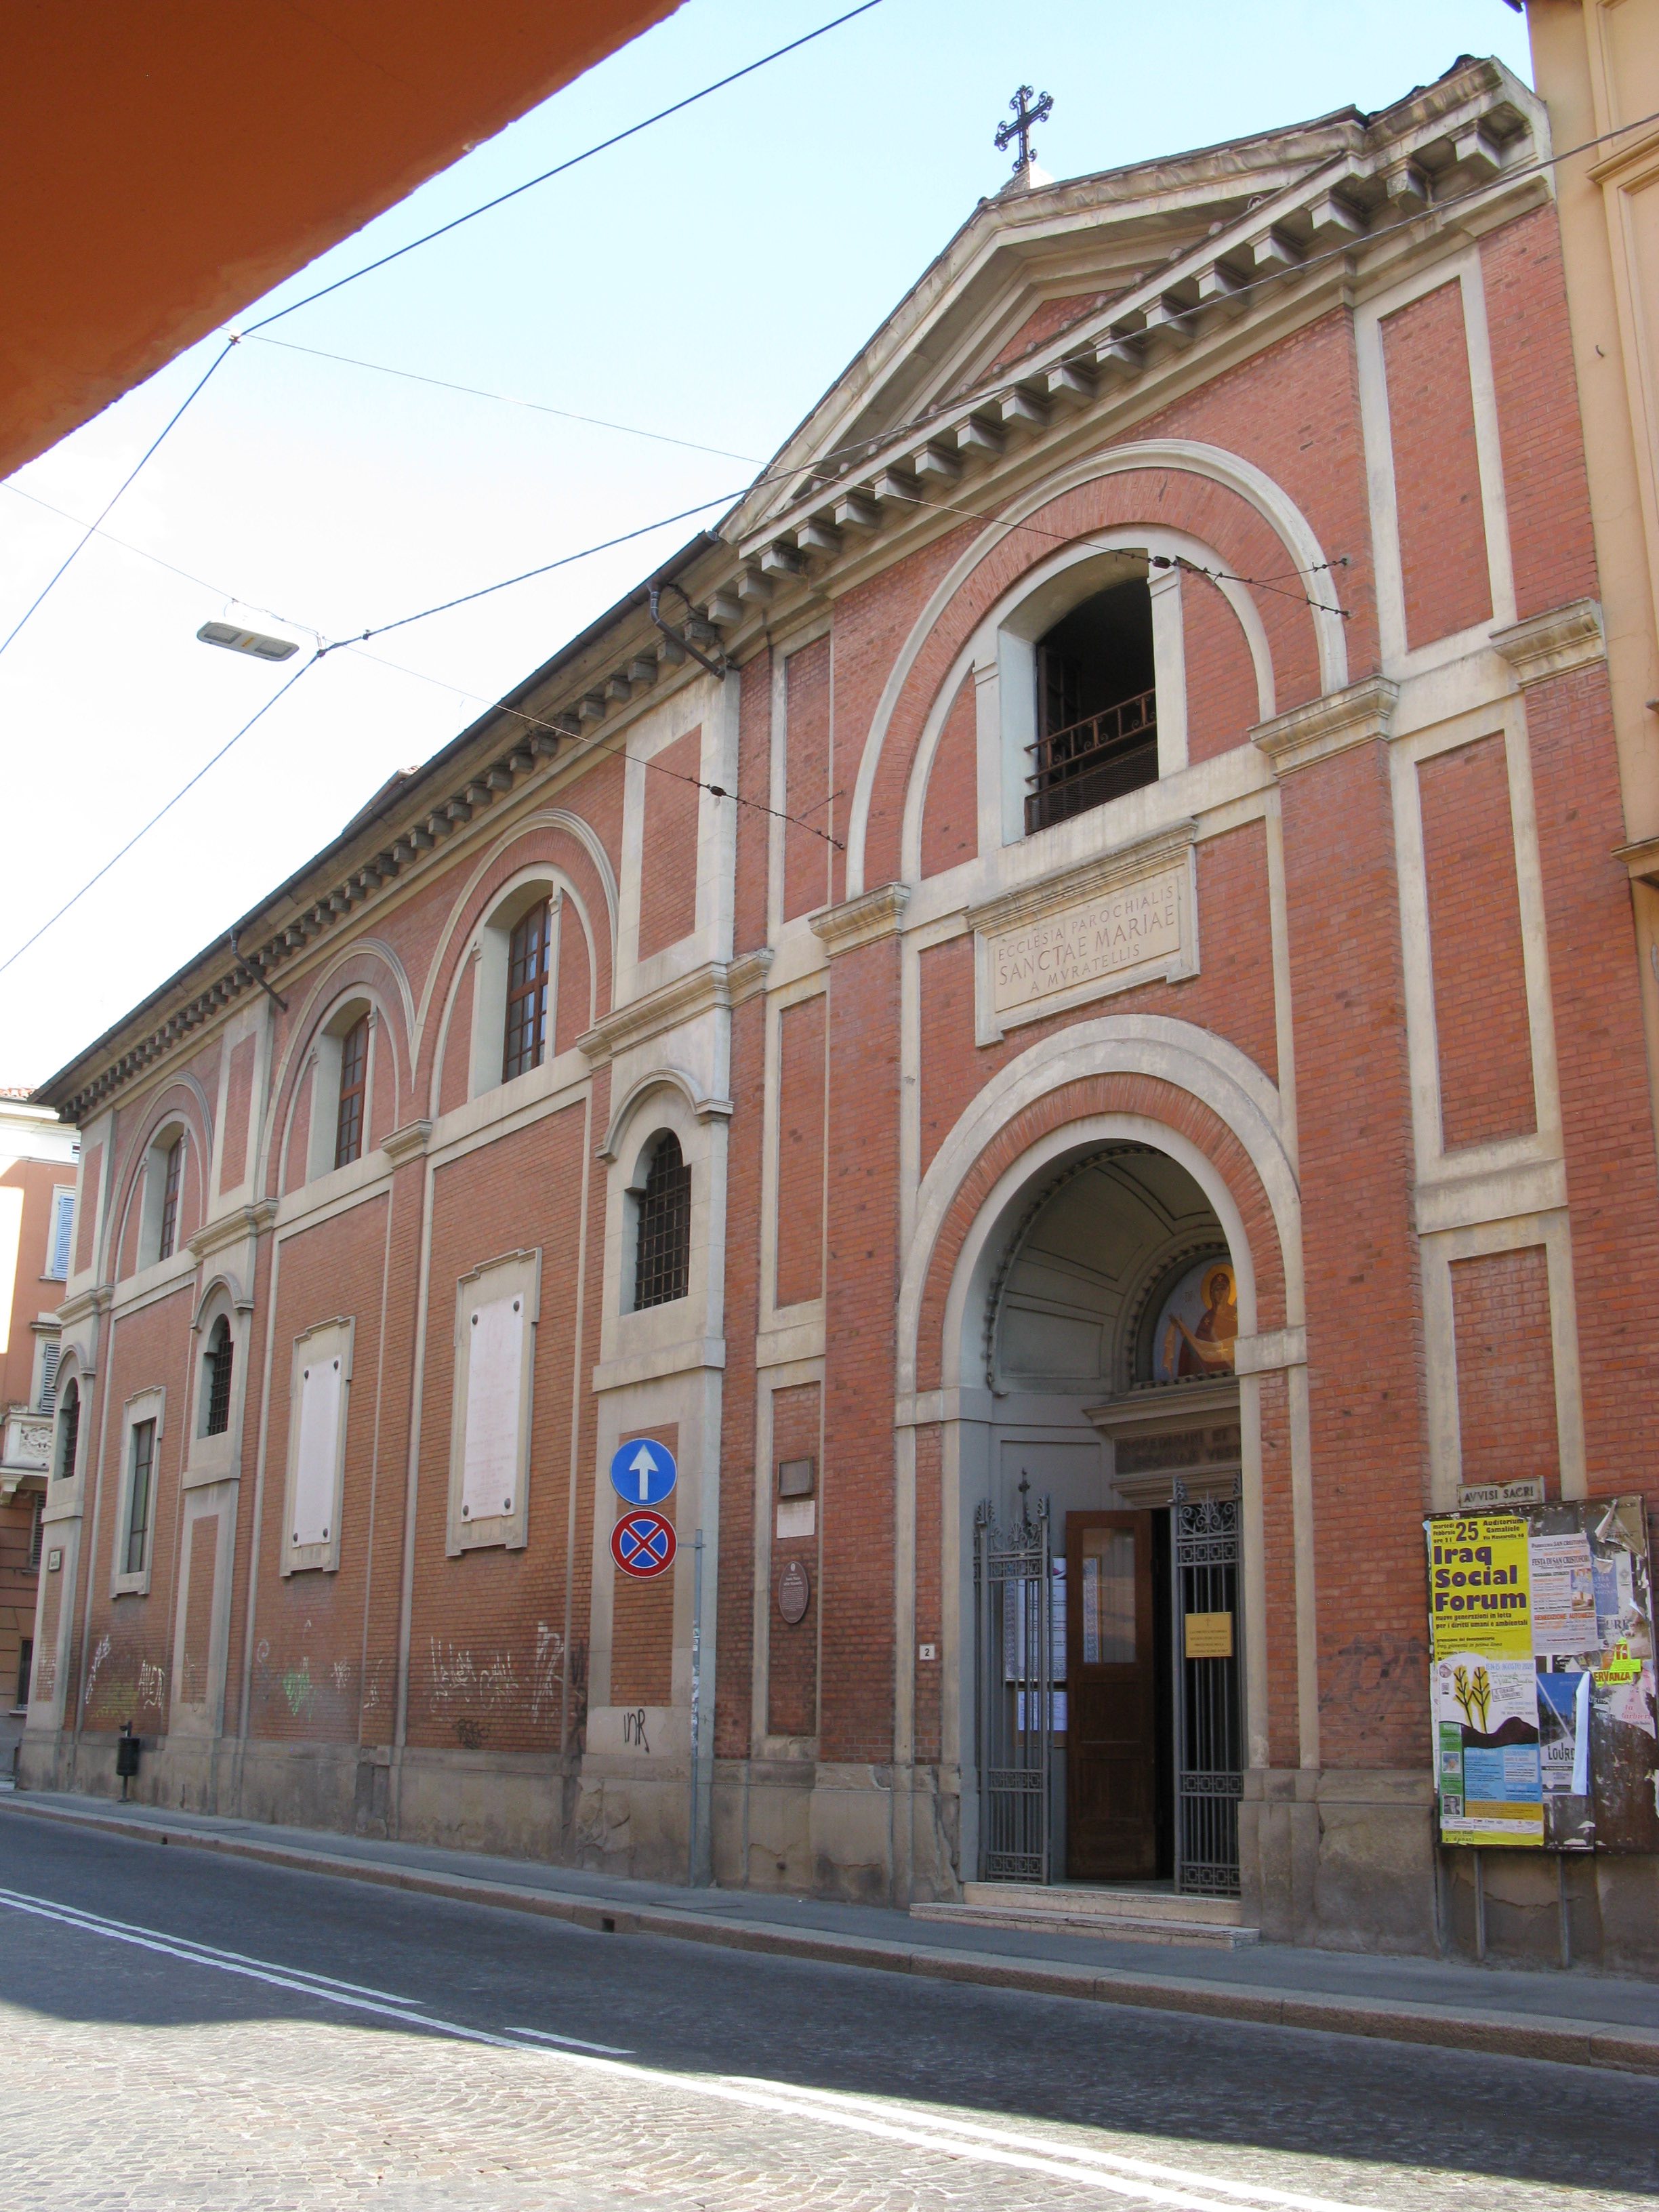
191	2033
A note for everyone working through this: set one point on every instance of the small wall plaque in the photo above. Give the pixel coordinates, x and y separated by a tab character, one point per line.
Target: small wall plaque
795	1477
794	1593
1500	1497
54	1560
1209	1636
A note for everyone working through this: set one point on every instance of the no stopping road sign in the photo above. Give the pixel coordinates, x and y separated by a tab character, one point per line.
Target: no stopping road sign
643	1544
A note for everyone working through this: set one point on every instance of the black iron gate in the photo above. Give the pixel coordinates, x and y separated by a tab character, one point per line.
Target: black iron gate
1014	1626
1204	1557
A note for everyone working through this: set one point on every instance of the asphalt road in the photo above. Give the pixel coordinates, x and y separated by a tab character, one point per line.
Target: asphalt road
185	2031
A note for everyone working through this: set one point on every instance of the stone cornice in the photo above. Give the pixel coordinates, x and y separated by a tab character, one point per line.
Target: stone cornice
407	1143
862	919
704	990
1328	726
232	1228
1553	644
87	1305
1086	880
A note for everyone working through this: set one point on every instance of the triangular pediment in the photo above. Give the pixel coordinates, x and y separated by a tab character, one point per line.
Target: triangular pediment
1030	264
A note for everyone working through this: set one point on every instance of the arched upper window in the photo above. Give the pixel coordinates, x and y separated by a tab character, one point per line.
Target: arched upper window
353	1093
528	954
662	1258
221	1358
68	1431
173	1177
1096	706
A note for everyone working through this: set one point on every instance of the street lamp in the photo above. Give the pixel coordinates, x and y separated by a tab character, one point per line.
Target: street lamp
247	640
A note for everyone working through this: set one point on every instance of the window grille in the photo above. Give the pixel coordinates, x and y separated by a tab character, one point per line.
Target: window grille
662	1261
526	993
174	1177
50	1356
68	1431
144	1465
37	1528
25	1668
221	1354
354	1089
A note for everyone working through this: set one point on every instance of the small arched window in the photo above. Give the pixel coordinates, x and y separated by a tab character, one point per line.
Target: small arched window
173	1173
527	965
353	1092
662	1254
221	1356
68	1431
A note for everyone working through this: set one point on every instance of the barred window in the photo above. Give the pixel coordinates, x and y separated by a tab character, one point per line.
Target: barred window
143	1467
68	1431
36	1526
174	1175
527	991
221	1353
354	1088
662	1260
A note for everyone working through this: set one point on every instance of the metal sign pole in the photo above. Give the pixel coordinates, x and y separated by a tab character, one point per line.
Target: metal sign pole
696	1706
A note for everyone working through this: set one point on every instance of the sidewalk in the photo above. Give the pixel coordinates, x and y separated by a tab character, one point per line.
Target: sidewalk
1581	2018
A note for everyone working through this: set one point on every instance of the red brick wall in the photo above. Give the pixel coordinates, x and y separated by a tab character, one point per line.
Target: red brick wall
1278	1572
575	1012
643	1617
1612	1191
755	782
195	1683
734	1675
808	756
668	875
238	1097
949	819
930	1608
132	1636
792	1675
1232	995
1505	1367
1547	493
800	1152
1222	700
856	1486
299	1134
1474	931
1442	532
490	1628
307	1683
1364	1319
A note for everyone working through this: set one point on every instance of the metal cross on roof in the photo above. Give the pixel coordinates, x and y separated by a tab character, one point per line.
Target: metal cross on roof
1020	128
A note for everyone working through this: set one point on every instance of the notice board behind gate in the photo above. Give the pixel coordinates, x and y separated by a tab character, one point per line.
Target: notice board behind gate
1541	1676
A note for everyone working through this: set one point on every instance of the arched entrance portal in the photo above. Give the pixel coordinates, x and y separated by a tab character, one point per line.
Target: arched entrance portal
1111	1321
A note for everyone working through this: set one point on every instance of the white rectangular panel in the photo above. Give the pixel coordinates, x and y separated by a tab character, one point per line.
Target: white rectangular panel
495	1379
318	1451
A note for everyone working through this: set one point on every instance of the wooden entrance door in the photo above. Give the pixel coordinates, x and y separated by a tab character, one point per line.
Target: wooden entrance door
1111	1751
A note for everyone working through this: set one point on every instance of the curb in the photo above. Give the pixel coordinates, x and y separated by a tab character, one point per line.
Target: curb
1512	2035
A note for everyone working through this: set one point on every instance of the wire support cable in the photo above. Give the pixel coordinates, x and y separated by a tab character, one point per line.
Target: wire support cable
560	169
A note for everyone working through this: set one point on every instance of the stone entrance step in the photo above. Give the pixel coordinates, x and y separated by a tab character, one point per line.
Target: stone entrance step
1132	1915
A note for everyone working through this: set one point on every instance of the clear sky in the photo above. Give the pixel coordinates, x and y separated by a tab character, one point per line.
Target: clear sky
705	282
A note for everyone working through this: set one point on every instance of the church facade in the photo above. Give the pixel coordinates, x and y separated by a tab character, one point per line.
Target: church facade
1061	990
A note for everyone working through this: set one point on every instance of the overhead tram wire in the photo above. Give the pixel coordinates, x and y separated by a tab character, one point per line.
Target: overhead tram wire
617	138
234	338
51	920
120	491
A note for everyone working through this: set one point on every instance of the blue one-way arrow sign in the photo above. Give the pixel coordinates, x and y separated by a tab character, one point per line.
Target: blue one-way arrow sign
643	1473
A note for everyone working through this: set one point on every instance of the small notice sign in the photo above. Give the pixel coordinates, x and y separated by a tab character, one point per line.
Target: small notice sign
1209	1636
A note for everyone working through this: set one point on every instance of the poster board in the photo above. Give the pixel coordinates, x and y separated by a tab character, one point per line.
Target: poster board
1541	1676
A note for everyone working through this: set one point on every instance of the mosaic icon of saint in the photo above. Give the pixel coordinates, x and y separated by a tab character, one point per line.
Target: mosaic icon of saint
1207	1349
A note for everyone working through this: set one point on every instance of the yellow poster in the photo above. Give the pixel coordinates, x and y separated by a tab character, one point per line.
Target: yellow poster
1484	1682
1479	1586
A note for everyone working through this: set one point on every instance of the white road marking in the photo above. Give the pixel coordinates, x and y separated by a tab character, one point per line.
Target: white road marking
970	2141
573	2042
211	1951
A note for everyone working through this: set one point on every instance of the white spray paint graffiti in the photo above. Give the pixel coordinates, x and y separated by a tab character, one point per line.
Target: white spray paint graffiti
98	1658
544	1684
152	1684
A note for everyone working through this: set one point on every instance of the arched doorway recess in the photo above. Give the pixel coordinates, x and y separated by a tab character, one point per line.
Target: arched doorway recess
1109	1321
